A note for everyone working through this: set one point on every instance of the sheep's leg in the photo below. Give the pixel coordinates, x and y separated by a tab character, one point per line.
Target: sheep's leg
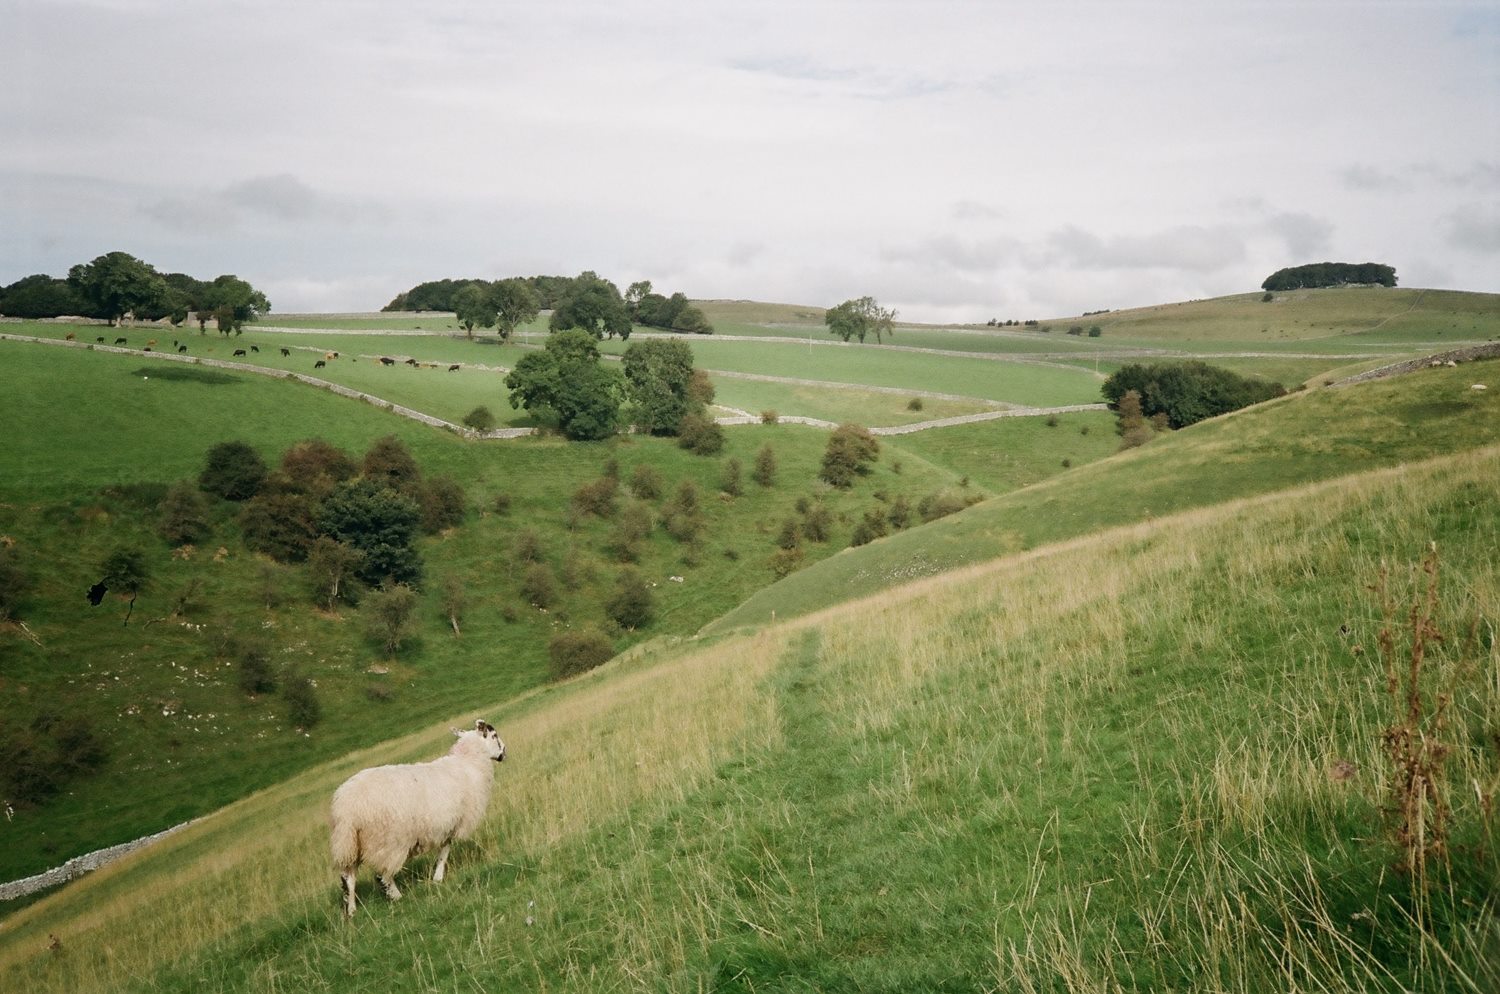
442	865
348	882
389	884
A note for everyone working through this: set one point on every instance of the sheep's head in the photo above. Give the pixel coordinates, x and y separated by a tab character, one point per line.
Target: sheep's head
486	739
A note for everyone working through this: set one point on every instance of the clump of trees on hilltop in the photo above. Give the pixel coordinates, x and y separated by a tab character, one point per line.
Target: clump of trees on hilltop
1324	274
1178	394
586	301
117	285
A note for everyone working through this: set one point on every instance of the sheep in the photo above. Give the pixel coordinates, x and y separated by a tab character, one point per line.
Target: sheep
383	815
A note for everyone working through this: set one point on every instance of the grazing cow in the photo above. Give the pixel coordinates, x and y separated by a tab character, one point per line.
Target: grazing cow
151	343
182	348
330	355
69	337
100	339
412	363
239	351
387	361
319	364
121	341
286	353
146	349
453	368
254	348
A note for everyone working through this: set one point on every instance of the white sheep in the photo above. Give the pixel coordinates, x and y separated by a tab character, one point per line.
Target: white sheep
384	815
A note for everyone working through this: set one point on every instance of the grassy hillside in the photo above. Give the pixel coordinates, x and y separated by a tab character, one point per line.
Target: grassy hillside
1145	759
95	439
1318	434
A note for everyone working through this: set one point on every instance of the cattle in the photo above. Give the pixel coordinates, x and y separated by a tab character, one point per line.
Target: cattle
121	341
100	339
286	353
412	363
453	368
239	351
387	361
254	348
182	348
151	343
319	364
69	337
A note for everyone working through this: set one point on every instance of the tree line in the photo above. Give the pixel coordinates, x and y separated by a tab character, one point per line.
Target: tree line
587	301
1325	274
1170	395
117	285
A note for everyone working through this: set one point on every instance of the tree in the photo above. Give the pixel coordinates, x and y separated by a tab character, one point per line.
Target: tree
388	615
184	517
566	382
443	504
117	284
850	448
125	570
480	419
40	296
765	466
280	522
1186	392
657	376
573	652
330	565
1132	425
1325	274
381	524
302	707
592	304
316	467
860	319
232	470
515	303
631	605
473	305
234	302
390	463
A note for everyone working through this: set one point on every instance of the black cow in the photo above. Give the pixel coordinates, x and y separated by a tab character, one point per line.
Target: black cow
239	351
254	348
453	368
182	348
319	364
285	353
121	341
387	361
99	339
412	363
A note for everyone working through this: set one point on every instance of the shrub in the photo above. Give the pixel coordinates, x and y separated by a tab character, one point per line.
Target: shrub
480	419
850	448
765	466
381	523
597	497
900	513
700	435
572	652
769	417
871	526
730	483
388	615
631	605
232	470
390	463
646	483
443	504
538	587
632	527
316	466
302	707
940	505
1095	331
184	515
331	568
915	404
817	522
1052	421
785	562
15	583
500	504
253	660
790	536
527	546
280	523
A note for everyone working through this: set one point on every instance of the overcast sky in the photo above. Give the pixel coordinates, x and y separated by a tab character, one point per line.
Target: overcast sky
956	160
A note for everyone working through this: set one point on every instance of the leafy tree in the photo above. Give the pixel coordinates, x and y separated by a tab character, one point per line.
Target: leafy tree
390	463
1133	428
232	470
515	303
646	482
117	284
657	376
592	304
381	524
40	296
184	515
631	605
850	449
538	586
316	467
730	483
473	305
234	302
443	504
331	565
388	615
566	382
454	598
303	709
125	570
1325	274
700	434
253	660
280	522
859	319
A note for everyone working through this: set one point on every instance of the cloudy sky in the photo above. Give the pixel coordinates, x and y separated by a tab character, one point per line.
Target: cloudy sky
956	160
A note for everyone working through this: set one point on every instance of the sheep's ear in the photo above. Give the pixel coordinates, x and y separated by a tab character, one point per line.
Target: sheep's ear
483	726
